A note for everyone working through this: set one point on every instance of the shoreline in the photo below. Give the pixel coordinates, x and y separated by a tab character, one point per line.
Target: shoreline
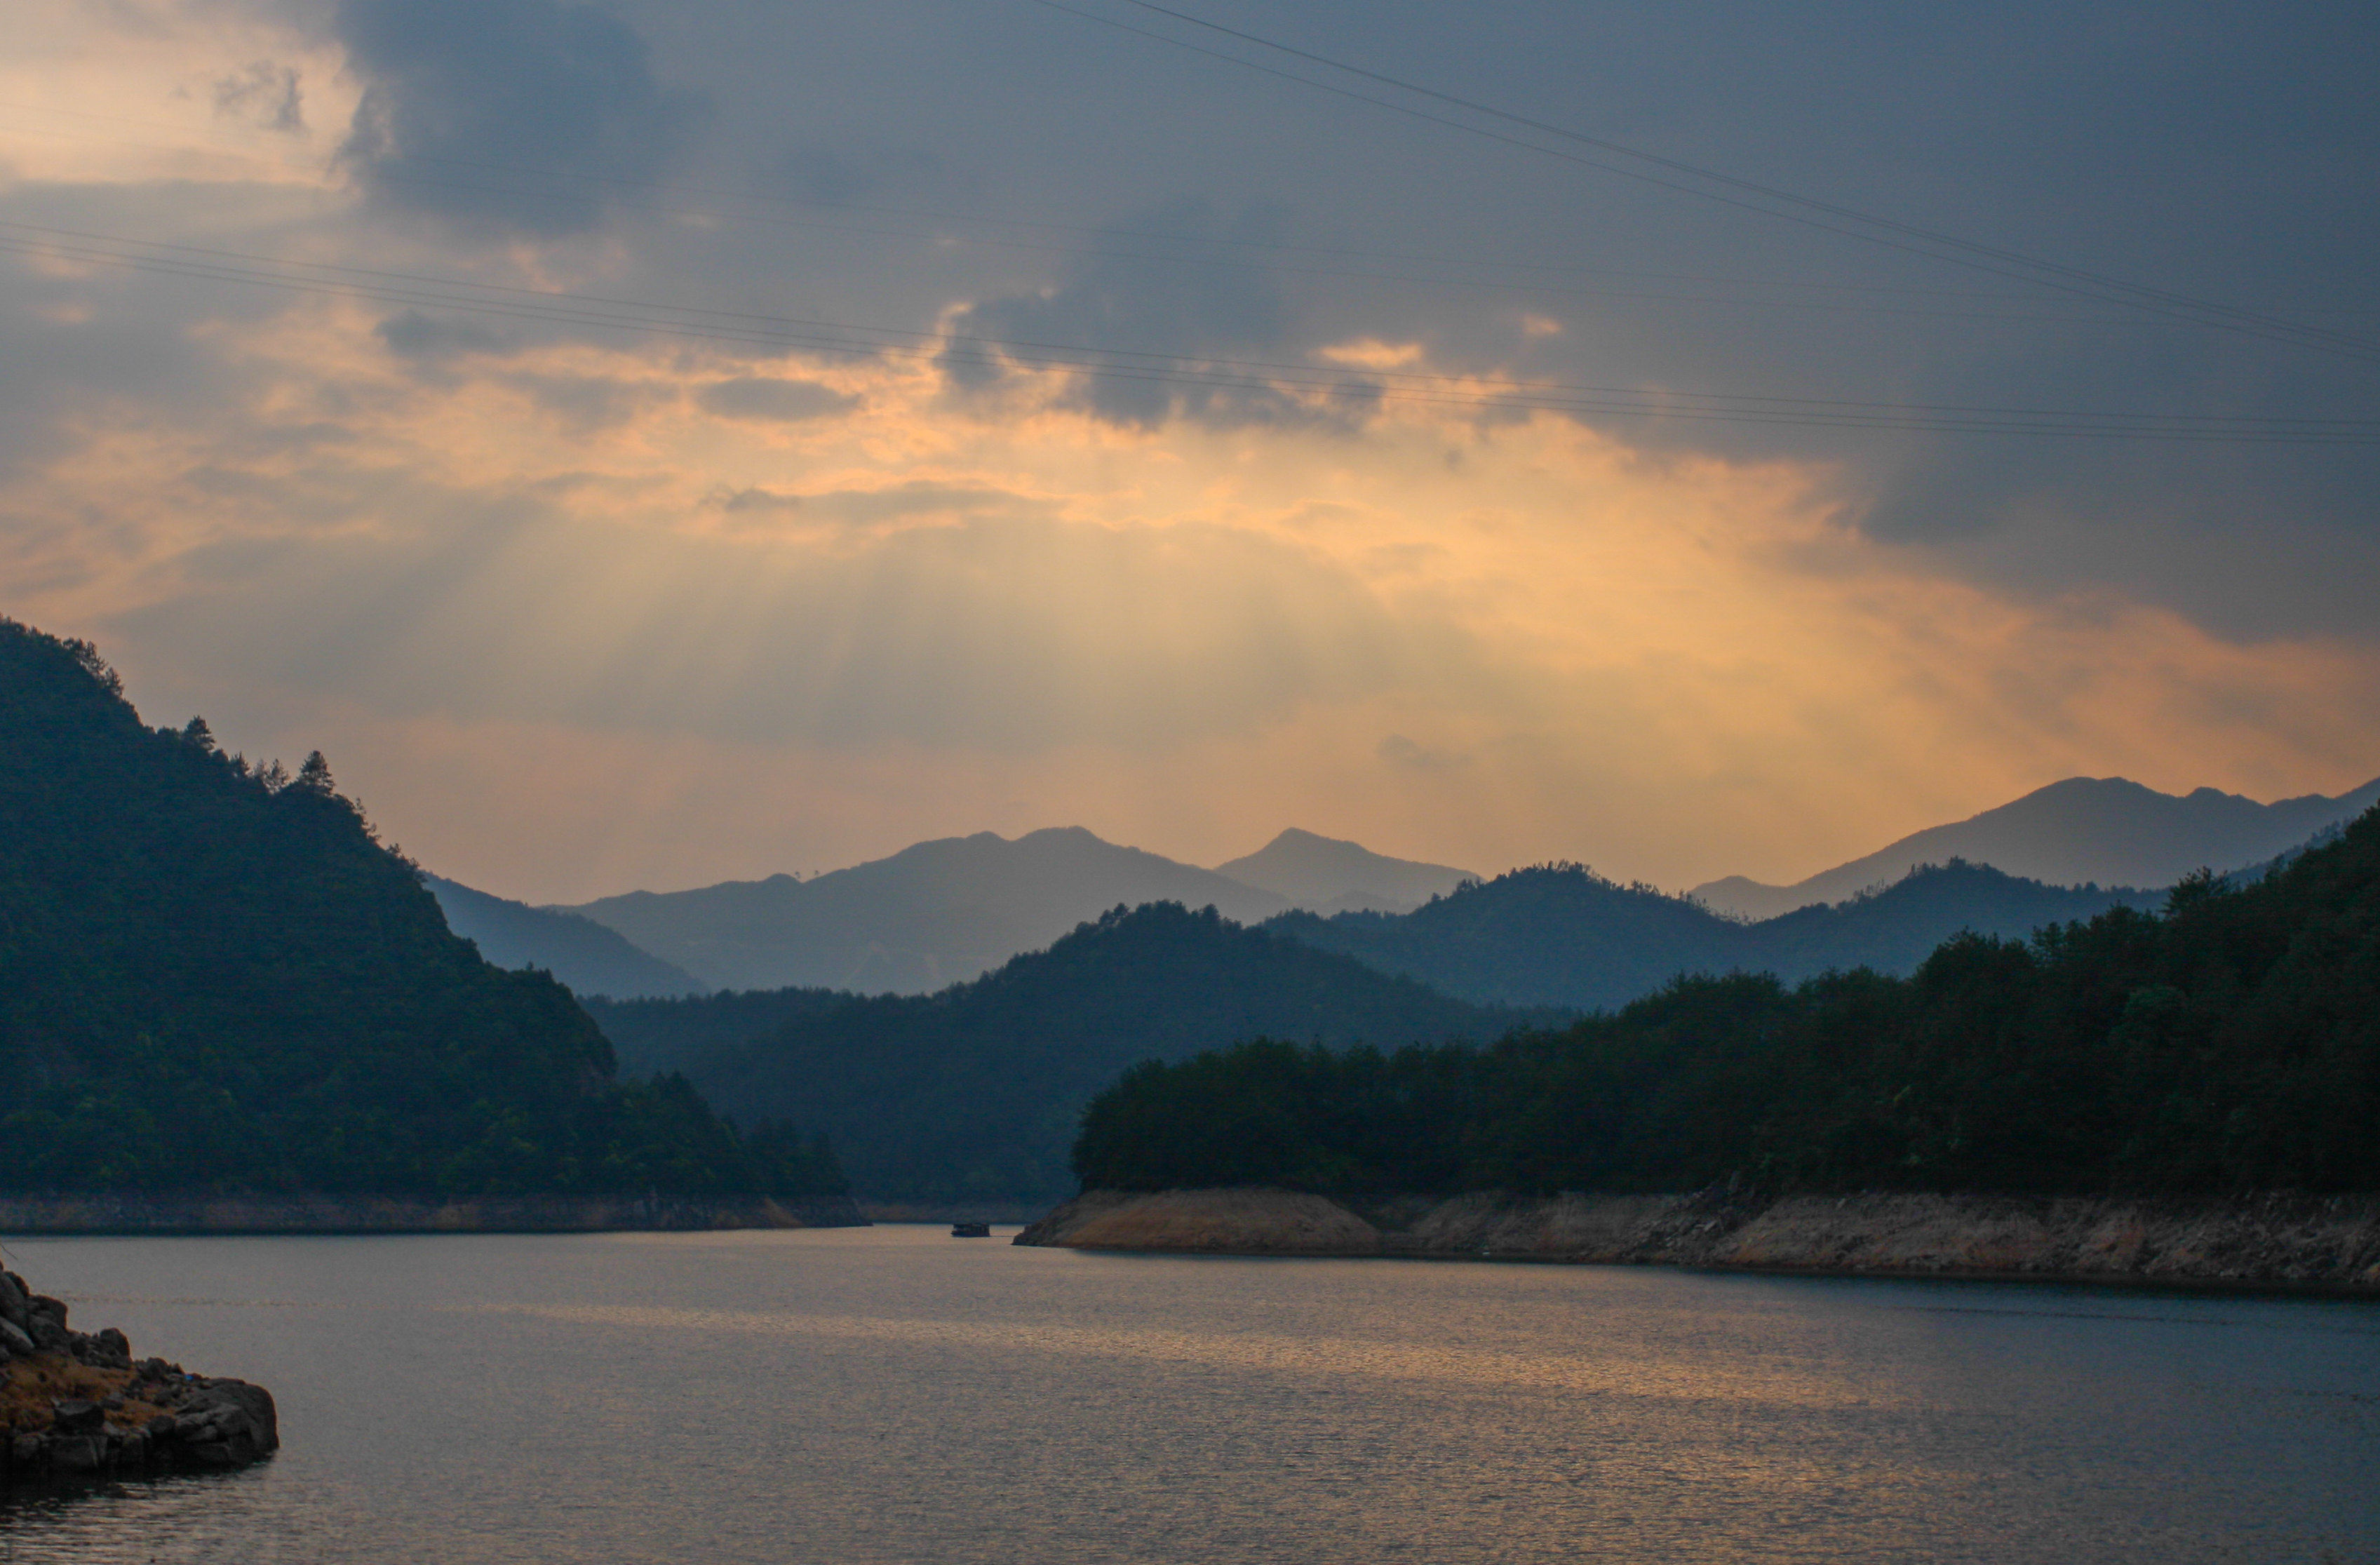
164	1216
2300	1245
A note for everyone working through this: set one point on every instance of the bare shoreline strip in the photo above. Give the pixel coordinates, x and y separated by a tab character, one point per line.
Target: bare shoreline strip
2291	1242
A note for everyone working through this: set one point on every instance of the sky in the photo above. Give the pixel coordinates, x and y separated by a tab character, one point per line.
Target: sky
644	445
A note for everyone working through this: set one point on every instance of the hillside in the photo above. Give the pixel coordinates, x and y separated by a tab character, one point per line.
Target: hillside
930	916
1326	875
2230	1044
972	1094
2102	829
218	980
657	1034
587	957
1561	935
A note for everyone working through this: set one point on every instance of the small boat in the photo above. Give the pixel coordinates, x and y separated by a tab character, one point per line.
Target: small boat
970	1231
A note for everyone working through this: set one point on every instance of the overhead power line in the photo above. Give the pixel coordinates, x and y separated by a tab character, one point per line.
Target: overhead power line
1752	195
1183	370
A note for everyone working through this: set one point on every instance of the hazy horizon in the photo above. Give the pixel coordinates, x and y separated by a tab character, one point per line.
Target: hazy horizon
646	446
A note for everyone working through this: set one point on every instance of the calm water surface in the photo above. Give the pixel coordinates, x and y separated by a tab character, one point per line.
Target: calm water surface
894	1394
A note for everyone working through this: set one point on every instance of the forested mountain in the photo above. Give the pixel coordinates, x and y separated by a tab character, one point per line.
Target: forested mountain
2105	829
929	915
2230	1044
1325	875
587	957
1561	935
213	977
658	1034
973	1094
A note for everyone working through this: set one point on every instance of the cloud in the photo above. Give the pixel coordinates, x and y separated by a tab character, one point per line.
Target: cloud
767	400
410	333
753	501
506	116
1146	328
264	94
1409	756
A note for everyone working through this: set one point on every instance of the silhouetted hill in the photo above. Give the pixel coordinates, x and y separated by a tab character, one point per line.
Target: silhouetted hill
2086	828
1325	875
972	1094
217	980
586	956
1561	935
930	916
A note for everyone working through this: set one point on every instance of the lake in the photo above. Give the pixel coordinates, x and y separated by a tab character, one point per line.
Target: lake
893	1394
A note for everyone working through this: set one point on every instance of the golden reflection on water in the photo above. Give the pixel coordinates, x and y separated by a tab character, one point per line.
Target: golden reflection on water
1613	1375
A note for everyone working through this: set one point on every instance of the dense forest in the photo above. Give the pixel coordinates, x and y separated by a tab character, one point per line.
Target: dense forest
2229	1042
1562	935
213	978
973	1094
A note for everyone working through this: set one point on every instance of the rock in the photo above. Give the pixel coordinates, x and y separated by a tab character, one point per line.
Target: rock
76	1416
16	1304
77	1453
118	1344
49	1336
213	1453
26	1449
13	1340
162	1428
55	1308
235	1405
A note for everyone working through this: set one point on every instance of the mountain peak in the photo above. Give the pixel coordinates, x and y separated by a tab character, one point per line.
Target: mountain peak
2108	830
1331	875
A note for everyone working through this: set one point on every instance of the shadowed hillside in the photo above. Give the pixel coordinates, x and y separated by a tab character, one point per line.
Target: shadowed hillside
2230	1044
1562	935
972	1094
218	979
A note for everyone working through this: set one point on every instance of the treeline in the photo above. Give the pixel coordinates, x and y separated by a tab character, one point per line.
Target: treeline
213	978
2230	1042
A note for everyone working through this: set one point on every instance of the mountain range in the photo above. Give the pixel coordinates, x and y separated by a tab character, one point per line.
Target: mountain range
1561	935
943	912
2106	830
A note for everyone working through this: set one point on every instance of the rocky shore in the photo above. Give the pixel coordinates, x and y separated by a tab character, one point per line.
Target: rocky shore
101	1213
78	1406
2278	1240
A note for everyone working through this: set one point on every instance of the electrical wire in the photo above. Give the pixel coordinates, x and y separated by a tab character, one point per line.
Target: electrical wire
1889	232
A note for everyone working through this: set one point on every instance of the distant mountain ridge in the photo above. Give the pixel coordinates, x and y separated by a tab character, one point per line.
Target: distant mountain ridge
2106	830
1327	875
589	958
930	916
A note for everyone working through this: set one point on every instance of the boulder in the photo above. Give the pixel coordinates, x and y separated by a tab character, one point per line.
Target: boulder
75	1416
50	1335
77	1453
14	1343
118	1344
16	1304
